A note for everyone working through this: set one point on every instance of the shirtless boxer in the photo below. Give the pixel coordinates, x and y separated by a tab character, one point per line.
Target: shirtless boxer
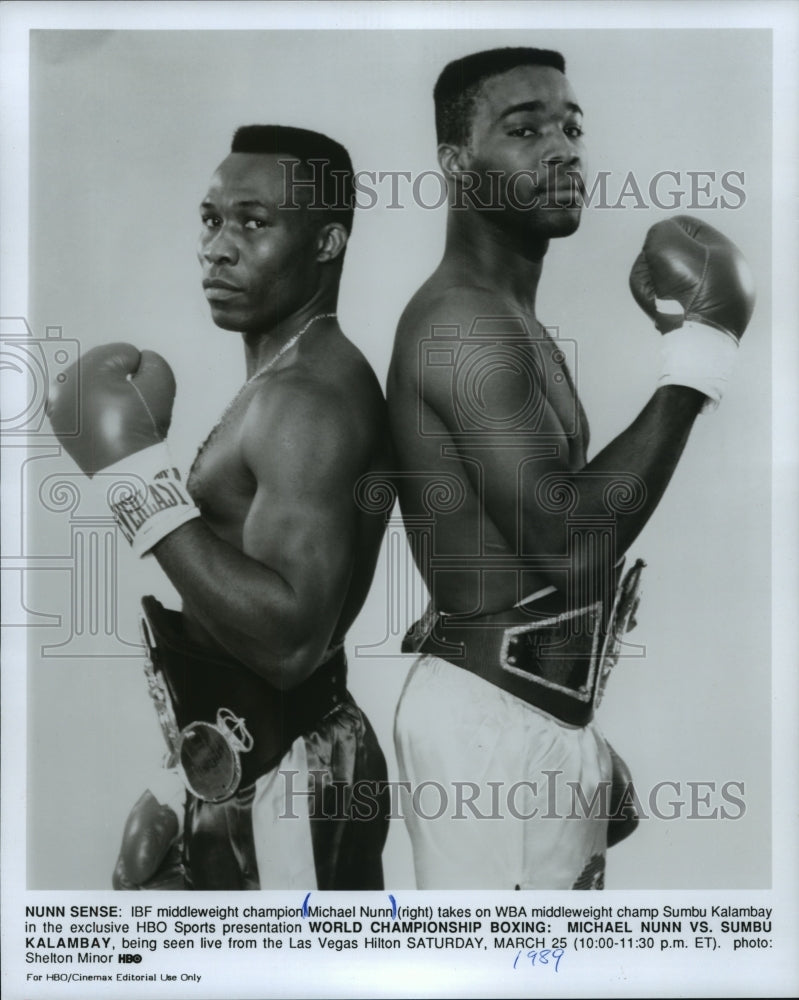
265	545
523	567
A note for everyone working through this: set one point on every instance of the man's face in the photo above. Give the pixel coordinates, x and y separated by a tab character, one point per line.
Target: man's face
257	253
527	126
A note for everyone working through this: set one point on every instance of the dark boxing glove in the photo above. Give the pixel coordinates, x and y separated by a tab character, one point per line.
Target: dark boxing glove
698	288
623	814
152	829
171	873
124	399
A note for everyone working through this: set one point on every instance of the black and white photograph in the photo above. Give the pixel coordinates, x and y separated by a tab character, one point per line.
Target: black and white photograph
399	499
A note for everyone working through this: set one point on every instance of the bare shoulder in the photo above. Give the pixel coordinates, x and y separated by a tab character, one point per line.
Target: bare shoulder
330	407
443	309
440	303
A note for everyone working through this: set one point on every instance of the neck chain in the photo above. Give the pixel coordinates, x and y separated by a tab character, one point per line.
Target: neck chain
261	371
272	362
286	347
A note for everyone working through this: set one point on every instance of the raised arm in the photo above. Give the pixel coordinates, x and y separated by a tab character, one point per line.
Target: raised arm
695	285
274	601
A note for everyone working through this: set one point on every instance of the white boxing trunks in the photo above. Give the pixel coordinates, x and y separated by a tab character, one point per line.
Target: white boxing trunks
516	786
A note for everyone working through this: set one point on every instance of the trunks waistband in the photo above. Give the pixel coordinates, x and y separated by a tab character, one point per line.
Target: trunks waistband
553	657
197	682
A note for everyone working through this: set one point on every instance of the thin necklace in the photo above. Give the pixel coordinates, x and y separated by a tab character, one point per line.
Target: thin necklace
286	347
261	371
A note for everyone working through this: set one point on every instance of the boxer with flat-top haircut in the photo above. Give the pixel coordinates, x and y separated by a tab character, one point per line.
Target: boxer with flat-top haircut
528	601
265	543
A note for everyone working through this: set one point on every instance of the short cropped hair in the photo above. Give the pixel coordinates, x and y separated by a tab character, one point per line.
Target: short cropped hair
336	185
459	83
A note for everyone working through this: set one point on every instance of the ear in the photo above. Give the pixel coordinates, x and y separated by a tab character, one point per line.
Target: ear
452	159
330	242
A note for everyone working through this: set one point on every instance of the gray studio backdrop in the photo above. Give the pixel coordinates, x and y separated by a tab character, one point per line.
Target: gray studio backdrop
126	129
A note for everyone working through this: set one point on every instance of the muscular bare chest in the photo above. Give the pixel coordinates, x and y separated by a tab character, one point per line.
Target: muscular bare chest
219	481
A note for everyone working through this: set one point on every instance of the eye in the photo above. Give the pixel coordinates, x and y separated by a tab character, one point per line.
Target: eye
255	224
522	132
210	221
574	131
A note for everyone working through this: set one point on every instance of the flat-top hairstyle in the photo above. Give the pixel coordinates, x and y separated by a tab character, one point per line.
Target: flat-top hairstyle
326	160
459	83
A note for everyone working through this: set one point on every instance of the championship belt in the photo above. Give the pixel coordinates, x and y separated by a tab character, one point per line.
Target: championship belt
206	755
622	620
159	693
555	658
223	724
209	756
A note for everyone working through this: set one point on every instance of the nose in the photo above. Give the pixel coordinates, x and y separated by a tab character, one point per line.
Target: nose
564	156
218	247
561	151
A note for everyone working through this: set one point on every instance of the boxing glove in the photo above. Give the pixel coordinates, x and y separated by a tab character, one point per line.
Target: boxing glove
124	400
171	873
623	814
150	831
698	288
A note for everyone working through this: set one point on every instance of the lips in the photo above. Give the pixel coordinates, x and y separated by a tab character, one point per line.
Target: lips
561	197
217	290
219	284
563	189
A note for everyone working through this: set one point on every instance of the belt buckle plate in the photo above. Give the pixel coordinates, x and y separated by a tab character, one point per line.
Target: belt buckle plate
209	756
584	692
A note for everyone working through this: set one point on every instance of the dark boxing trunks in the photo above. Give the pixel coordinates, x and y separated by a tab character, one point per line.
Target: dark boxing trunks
221	841
341	752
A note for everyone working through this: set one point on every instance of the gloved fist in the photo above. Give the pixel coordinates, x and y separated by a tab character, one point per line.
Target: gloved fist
150	831
171	874
686	261
123	398
698	288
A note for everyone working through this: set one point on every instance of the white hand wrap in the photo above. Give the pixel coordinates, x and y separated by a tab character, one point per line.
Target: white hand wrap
148	500
700	357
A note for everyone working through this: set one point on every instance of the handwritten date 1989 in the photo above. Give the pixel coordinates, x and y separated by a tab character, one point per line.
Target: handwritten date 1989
547	956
